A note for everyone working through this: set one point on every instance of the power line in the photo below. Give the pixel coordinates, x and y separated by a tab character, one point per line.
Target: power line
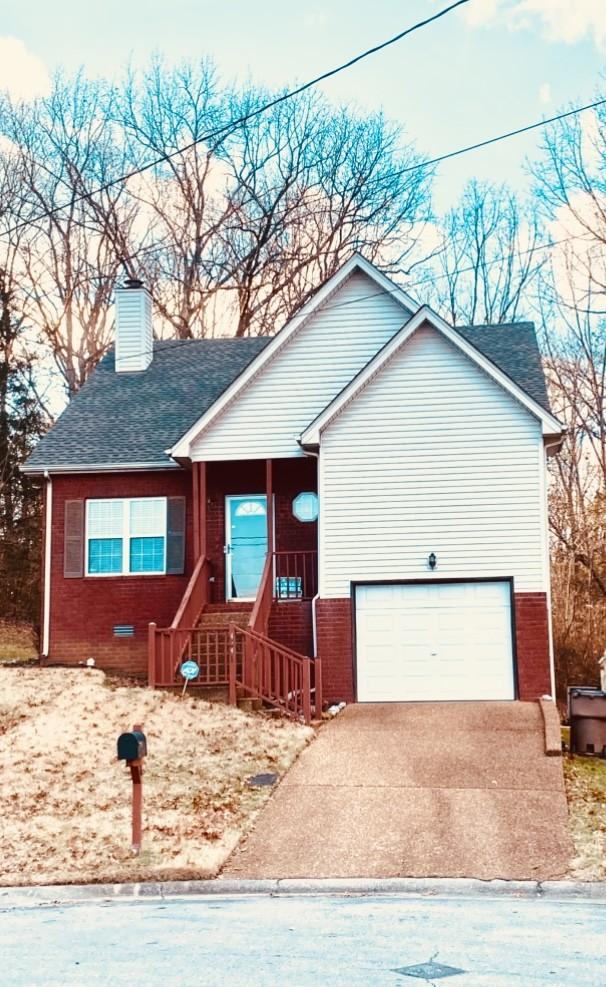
388	176
239	121
396	289
501	137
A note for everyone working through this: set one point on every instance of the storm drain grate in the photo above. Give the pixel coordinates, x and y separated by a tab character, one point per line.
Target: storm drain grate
428	971
259	781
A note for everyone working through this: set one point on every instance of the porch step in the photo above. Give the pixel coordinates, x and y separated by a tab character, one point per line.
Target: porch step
250	704
222	618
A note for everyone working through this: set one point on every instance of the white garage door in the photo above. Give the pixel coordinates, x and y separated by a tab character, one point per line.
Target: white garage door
434	641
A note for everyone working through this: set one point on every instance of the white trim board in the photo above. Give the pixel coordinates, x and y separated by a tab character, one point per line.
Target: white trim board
311	436
182	448
98	468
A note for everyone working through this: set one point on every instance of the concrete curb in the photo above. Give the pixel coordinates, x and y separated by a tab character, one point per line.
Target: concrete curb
66	894
551	728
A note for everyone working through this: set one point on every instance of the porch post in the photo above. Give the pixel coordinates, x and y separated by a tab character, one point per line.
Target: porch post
196	499
202	508
270	505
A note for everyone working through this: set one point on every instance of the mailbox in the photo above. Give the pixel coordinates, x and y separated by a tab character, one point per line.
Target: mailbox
132	746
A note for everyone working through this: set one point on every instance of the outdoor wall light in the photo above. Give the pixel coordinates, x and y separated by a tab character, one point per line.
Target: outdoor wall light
432	561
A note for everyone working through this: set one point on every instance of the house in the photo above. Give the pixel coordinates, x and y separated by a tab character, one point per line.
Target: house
367	487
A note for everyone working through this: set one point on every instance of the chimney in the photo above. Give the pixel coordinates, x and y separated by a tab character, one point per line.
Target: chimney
134	333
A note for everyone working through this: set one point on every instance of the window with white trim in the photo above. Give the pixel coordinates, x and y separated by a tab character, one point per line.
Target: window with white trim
126	536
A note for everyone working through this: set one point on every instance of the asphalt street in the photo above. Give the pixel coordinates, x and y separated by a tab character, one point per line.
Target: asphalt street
306	940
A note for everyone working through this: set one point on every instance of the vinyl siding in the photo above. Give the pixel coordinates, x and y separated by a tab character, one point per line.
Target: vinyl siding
432	456
266	420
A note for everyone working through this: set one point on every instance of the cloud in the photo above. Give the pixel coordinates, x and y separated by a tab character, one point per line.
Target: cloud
22	73
559	20
545	93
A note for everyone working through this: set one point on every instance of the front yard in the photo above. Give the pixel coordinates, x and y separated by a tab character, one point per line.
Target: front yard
66	799
586	791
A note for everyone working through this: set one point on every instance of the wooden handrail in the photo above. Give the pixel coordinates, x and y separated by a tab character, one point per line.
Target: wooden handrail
276	674
259	618
195	597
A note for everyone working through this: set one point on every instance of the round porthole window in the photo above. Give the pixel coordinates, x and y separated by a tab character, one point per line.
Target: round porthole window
305	507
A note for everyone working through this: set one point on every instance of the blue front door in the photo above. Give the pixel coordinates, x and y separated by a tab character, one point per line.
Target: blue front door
246	545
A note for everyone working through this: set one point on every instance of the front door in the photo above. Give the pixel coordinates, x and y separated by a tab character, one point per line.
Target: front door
245	545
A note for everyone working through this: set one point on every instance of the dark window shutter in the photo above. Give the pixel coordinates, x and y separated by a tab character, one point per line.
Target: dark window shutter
73	540
175	536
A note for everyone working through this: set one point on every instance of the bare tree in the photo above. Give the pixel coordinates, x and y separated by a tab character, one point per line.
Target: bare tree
570	187
489	258
243	227
71	256
574	342
311	185
22	417
182	201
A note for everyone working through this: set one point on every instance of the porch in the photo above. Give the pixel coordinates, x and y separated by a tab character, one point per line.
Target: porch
246	616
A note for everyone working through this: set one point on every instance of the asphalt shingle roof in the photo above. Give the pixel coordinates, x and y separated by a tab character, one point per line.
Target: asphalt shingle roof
514	349
128	418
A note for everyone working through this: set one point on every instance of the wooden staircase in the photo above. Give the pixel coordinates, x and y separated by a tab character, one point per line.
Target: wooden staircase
231	646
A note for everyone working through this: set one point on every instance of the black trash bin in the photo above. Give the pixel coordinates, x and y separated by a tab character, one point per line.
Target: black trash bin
587	718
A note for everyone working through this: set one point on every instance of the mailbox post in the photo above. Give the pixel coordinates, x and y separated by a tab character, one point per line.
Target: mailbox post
132	748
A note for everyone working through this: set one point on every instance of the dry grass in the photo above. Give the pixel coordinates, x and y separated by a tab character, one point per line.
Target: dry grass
66	800
586	791
16	642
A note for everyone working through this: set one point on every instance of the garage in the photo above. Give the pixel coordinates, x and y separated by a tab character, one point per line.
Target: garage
434	641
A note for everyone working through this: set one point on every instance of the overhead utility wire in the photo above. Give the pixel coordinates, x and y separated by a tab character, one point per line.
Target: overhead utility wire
501	137
423	164
397	289
239	121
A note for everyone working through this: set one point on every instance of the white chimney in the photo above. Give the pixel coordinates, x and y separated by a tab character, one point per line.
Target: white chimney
134	332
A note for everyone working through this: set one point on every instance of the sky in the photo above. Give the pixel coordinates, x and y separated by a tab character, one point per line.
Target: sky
492	66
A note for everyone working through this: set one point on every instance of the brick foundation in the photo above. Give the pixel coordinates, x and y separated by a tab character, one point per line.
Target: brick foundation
290	624
532	640
334	637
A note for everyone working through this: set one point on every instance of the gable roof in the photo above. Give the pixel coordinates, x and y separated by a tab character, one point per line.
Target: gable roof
550	425
512	347
181	449
120	420
142	420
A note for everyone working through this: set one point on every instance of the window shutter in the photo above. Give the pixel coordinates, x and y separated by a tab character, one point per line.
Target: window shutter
73	540
175	536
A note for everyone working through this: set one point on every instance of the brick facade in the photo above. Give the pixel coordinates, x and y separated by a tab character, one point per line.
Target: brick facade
85	611
335	647
290	624
532	640
290	477
334	639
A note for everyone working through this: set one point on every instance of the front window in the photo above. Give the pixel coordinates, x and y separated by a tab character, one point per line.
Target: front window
124	537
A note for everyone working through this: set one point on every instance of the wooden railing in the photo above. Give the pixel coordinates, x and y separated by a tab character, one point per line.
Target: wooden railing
194	600
209	647
259	618
295	575
278	676
195	597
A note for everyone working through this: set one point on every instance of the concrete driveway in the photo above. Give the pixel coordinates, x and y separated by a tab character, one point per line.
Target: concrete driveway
418	790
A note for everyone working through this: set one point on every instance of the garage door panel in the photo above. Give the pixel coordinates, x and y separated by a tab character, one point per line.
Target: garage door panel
434	641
